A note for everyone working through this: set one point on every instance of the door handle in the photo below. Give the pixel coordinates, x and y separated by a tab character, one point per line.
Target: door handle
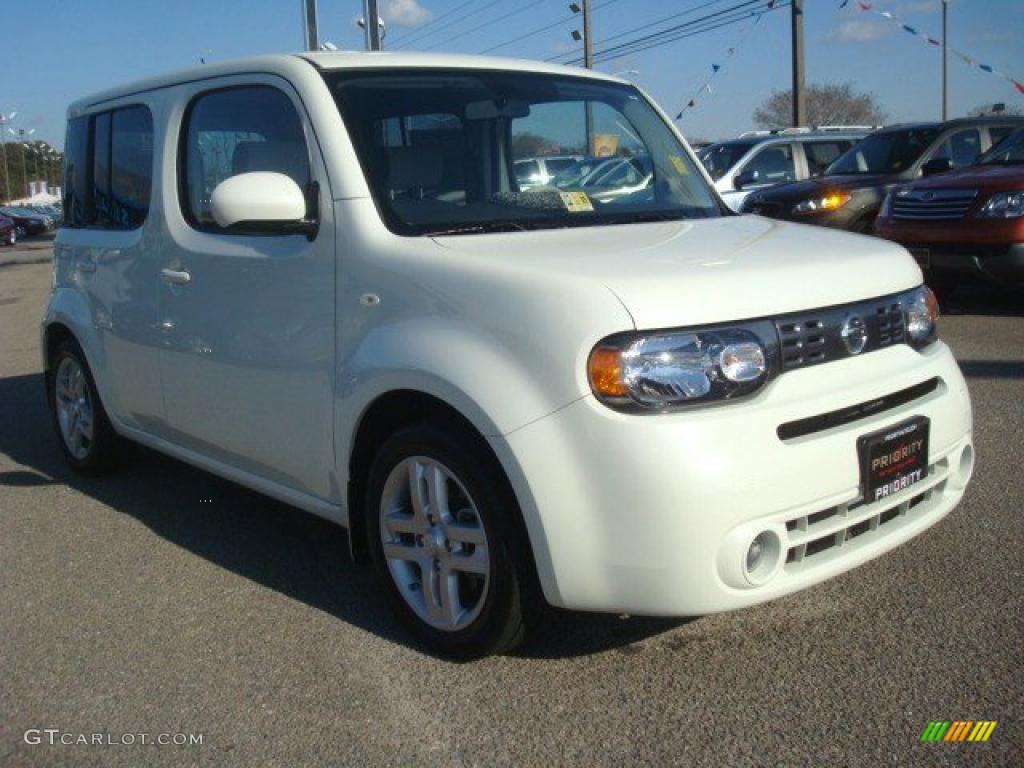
176	276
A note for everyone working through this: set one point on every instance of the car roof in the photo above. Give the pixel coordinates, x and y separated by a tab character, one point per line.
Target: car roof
331	61
954	123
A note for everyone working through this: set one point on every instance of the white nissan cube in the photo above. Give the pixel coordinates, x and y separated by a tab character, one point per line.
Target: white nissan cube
316	275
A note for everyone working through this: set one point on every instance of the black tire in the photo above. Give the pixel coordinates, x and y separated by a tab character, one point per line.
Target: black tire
511	597
102	448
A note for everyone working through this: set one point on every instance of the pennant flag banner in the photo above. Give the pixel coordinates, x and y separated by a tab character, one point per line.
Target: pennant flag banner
867	7
716	68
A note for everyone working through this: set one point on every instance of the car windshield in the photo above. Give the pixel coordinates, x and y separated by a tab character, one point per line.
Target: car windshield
720	158
458	151
1010	151
888	152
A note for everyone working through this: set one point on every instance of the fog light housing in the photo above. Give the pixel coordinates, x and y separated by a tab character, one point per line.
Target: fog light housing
752	554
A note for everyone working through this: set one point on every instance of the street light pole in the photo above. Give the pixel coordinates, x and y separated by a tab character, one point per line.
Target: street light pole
4	120
945	62
799	92
372	21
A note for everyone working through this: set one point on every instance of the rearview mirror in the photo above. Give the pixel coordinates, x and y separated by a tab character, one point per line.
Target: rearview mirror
261	201
937	165
745	179
489	109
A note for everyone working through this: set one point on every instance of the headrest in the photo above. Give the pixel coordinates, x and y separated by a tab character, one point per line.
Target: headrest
284	157
413	168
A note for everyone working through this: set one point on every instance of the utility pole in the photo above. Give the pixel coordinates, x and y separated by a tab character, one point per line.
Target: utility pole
588	38
945	63
372	20
799	86
310	25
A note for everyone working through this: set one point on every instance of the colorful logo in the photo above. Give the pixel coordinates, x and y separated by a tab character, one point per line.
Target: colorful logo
959	730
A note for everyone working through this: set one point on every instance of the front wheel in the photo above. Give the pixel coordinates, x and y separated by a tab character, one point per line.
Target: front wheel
444	536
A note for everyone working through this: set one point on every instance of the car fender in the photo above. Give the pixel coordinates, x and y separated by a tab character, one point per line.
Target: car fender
68	307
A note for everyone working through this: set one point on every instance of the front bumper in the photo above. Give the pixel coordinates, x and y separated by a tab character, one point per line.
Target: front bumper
999	264
640	514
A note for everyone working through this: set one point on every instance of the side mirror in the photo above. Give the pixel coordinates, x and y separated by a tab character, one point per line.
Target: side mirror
745	179
261	201
937	165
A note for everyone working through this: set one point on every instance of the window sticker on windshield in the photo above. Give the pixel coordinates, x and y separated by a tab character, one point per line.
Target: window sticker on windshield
679	165
577	202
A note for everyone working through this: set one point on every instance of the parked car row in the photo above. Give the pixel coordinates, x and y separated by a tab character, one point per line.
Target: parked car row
26	221
949	191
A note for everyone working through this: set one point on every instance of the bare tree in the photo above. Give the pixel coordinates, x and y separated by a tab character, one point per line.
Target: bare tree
830	104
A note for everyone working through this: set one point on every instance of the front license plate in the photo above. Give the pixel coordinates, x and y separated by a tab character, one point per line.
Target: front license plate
893	459
922	256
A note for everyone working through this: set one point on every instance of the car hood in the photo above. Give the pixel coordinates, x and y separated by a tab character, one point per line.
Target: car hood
989	177
707	271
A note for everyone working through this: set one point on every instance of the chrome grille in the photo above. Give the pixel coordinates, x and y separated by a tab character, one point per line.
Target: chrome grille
816	337
933	204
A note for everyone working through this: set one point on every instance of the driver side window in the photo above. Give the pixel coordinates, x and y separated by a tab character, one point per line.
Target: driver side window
238	130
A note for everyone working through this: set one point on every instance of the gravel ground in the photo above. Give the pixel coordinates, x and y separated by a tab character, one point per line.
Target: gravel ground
162	599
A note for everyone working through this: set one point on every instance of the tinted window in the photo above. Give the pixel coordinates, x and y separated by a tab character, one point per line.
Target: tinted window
131	167
772	165
820	153
962	148
888	152
108	169
240	130
1010	151
101	169
77	173
999	132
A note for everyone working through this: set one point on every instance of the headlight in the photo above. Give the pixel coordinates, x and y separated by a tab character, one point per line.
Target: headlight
921	314
1004	205
673	368
830	202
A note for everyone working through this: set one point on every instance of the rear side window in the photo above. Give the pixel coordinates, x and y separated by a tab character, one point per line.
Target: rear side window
108	173
773	164
131	166
999	132
77	174
233	131
820	154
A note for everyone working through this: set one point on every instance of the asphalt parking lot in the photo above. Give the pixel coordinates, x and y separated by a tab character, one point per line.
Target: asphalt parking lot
162	599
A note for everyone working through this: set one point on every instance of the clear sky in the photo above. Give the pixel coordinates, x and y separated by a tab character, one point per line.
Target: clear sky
56	51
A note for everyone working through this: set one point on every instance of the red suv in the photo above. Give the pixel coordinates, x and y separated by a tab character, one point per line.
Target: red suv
968	222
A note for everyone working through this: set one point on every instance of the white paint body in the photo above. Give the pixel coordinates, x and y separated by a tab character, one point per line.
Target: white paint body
260	368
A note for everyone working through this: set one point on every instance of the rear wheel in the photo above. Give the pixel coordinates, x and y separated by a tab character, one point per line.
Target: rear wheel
443	534
86	437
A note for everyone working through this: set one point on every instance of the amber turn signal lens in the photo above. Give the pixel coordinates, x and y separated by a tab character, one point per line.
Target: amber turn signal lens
933	303
604	369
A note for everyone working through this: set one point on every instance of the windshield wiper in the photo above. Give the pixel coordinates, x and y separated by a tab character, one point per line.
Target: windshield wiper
480	228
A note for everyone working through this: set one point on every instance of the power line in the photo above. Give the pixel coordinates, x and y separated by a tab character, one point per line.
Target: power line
653	23
418	38
546	27
719	24
477	28
707	23
417	32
